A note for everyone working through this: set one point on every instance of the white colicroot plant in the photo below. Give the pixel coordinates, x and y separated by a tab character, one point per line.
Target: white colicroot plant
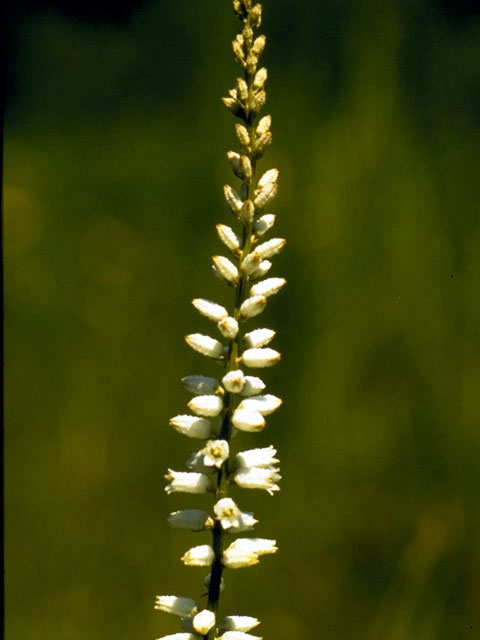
236	402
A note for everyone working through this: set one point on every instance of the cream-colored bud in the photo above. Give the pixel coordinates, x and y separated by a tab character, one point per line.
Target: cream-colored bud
259	45
267	179
267	287
238	53
207	406
259	358
262	269
262	143
234	106
265	405
258	338
260	78
270	248
258	101
205	345
246	420
203	621
252	306
264	224
251	262
247	212
228	327
247	35
252	61
242	90
239	623
246	168
225	269
265	195
200	385
233	381
264	125
256	15
243	135
209	309
233	199
252	386
201	556
229	238
192	426
193	519
178	606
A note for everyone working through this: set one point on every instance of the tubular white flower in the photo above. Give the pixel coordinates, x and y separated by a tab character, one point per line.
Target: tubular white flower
239	623
244	552
238	635
208	406
257	478
253	306
193	519
215	453
270	248
178	606
203	621
233	199
262	269
201	385
268	287
186	482
234	381
225	269
200	556
209	309
229	238
258	338
246	420
205	345
264	223
228	327
252	386
259	358
192	426
262	457
265	405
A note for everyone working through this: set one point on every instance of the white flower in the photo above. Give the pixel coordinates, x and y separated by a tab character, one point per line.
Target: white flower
233	381
209	309
259	337
264	224
268	287
265	405
215	453
176	605
270	248
203	621
239	623
259	358
244	552
246	420
201	556
252	386
193	519
229	238
257	478
186	482
262	458
192	426
252	306
228	327
225	269
208	406
228	513
205	345
201	384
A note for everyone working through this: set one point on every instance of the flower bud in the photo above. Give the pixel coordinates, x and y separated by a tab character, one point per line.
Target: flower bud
270	248
267	287
252	306
246	420
238	53
225	270
203	621
229	238
209	309
208	406
259	358
262	269
205	345
252	386
258	337
200	385
187	482
263	457
260	78
201	556
247	212
192	426
257	478
259	45
233	381
262	143
233	199
243	135
177	606
242	90
265	405
228	327
193	519
238	623
264	125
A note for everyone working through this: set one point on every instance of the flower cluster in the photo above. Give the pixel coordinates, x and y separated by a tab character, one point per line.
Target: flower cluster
236	401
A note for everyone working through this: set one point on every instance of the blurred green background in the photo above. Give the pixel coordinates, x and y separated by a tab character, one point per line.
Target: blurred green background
115	146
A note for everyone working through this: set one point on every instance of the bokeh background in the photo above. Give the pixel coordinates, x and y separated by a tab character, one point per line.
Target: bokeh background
115	142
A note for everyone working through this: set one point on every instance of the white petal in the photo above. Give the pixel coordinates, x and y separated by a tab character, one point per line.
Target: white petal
253	306
205	345
267	287
200	385
203	621
201	556
192	426
215	453
193	519
176	605
245	420
207	406
265	405
209	309
259	338
252	386
260	357
234	381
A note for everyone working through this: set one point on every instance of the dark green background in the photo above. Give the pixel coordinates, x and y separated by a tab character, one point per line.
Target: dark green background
114	162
